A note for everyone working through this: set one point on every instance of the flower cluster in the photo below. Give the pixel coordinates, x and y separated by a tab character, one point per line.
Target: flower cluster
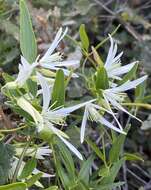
109	99
49	60
112	95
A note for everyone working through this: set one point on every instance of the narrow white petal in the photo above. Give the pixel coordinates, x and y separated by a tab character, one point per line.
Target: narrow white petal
43	151
66	72
109	56
118	106
117	58
103	121
68	63
25	70
45	175
24	62
45	92
68	110
83	125
59	36
114	51
69	145
122	70
107	99
57	131
129	85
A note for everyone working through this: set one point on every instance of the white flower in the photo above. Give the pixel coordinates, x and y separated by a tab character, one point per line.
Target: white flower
50	60
38	152
48	117
35	171
92	112
54	61
25	71
113	63
116	95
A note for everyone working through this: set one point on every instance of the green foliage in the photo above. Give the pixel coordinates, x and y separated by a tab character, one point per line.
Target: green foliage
84	37
28	168
106	153
27	38
14	186
6	158
117	146
84	175
32	180
58	92
32	87
101	79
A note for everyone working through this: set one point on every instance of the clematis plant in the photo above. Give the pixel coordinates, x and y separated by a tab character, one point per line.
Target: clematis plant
109	94
43	124
47	118
50	60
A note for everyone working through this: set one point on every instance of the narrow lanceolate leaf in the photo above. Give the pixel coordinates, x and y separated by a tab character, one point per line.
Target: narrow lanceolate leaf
28	168
58	92
27	38
101	79
66	158
97	58
84	173
112	173
14	186
84	38
133	157
115	151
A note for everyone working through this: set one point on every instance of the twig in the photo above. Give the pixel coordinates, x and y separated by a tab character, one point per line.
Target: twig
105	7
127	26
137	177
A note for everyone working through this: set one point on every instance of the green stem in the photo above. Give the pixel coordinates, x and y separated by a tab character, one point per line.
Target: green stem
12	130
20	162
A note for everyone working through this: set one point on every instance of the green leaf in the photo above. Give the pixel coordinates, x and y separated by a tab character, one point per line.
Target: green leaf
134	157
27	38
84	37
7	77
112	173
28	168
85	170
104	171
7	153
14	186
58	92
97	58
95	149
67	159
31	181
140	92
101	79
65	179
32	87
117	145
